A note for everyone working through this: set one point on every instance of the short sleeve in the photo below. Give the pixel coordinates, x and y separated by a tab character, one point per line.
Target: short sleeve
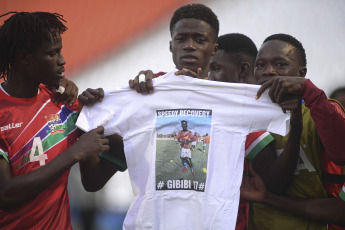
256	142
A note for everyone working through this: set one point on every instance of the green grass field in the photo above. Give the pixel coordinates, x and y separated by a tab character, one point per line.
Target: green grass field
169	165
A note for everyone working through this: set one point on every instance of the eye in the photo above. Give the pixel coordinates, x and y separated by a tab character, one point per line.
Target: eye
200	40
215	68
281	64
179	38
259	65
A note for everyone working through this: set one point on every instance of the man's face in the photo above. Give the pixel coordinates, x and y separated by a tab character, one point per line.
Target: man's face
277	58
47	64
193	42
224	68
184	126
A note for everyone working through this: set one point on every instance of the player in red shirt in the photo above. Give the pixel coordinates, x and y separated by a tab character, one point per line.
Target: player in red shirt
38	138
185	137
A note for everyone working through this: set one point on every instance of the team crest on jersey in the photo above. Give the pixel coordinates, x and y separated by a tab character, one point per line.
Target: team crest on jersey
55	124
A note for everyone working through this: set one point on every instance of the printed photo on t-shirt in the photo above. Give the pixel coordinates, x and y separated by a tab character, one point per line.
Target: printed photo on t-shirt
183	139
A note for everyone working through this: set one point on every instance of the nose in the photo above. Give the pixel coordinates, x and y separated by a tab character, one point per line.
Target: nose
269	71
61	60
189	44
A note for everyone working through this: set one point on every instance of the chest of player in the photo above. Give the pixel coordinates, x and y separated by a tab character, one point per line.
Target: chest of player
31	132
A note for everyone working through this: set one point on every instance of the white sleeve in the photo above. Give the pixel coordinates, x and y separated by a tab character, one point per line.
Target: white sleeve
105	113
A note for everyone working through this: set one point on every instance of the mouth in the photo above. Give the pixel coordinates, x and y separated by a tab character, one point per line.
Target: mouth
189	58
60	75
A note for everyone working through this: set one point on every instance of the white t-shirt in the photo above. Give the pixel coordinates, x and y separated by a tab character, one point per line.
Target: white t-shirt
166	197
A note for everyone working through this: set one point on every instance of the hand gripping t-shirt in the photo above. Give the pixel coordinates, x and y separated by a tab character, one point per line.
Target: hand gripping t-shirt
167	196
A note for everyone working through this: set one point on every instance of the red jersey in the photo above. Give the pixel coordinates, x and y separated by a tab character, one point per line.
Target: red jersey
185	137
33	131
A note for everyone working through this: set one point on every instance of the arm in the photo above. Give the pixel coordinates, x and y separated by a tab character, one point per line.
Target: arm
277	172
96	172
323	210
329	118
20	189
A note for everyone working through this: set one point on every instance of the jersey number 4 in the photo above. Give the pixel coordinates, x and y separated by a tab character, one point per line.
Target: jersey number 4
41	156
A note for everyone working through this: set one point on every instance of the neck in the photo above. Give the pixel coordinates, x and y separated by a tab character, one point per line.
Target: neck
20	86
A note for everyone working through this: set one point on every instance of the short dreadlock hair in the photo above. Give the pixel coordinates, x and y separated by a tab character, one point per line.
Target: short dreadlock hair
292	41
26	31
195	11
337	91
238	44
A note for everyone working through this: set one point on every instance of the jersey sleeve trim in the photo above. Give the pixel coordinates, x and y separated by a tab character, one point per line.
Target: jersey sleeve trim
259	144
122	165
342	193
4	155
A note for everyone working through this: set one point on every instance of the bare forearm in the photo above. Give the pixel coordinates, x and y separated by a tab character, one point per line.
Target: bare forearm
282	170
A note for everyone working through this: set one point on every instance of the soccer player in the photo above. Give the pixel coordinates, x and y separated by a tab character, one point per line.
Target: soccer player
185	137
38	138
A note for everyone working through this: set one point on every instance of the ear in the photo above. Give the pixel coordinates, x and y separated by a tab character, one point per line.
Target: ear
246	73
302	72
170	48
24	57
215	49
245	66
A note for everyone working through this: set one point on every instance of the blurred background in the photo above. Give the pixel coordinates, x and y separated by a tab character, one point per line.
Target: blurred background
109	41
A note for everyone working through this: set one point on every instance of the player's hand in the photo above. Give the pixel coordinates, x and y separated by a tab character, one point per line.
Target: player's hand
187	72
143	87
253	187
90	97
282	88
70	94
90	144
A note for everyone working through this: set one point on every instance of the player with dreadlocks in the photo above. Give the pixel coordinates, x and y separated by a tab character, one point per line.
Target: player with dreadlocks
37	135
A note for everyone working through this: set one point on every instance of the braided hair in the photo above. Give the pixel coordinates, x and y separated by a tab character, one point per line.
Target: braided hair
26	31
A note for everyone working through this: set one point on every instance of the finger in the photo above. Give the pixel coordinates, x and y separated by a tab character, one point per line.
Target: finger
137	83
186	72
149	76
99	130
105	148
263	87
74	97
131	84
143	87
90	95
281	92
65	97
251	169
80	106
101	94
86	98
272	90
199	73
83	100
